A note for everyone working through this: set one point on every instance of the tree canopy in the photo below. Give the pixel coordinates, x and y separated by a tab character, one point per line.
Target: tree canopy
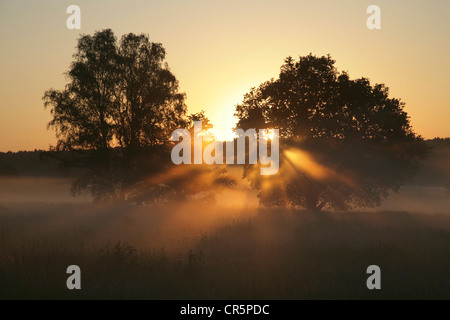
121	101
343	141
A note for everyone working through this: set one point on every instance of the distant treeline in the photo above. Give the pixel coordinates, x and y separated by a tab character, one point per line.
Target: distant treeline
435	169
439	142
31	164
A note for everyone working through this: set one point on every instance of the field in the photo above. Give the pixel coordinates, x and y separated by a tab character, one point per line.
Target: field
229	248
165	253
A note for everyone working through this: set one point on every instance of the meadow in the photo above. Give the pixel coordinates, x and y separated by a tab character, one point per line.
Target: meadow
196	251
225	248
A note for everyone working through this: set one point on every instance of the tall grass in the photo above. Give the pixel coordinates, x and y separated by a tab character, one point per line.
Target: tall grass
199	252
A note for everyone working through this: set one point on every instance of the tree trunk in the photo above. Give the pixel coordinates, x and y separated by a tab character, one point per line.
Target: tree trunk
312	202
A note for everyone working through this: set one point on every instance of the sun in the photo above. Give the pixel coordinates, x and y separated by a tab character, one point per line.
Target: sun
269	134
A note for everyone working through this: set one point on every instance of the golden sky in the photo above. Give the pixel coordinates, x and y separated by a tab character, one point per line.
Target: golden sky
220	49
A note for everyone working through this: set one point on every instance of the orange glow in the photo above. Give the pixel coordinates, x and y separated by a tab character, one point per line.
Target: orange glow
303	162
269	135
219	51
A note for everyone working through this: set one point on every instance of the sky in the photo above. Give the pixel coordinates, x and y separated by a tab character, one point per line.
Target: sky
218	50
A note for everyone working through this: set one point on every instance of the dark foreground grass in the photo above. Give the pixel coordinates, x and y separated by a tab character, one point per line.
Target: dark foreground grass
162	253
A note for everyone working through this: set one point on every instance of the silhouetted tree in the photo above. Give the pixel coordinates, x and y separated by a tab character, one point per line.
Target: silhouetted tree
117	111
199	116
343	142
191	182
